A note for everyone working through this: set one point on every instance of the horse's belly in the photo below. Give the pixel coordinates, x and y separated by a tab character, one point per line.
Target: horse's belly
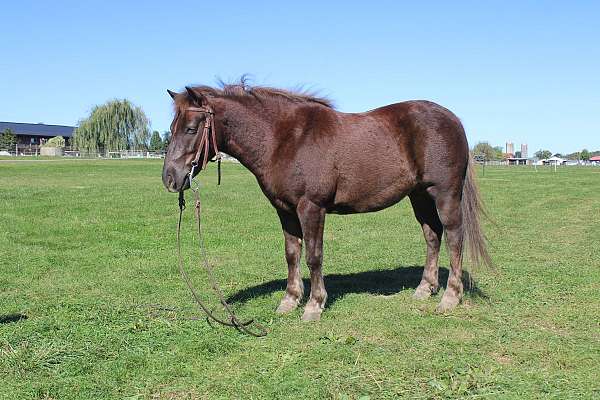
362	201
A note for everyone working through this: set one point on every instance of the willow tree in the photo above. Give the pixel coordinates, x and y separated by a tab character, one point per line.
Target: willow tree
114	126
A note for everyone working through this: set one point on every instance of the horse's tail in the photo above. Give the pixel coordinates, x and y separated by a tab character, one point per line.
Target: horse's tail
472	209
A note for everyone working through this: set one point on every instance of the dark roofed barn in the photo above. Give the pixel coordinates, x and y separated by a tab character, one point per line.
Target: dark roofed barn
36	134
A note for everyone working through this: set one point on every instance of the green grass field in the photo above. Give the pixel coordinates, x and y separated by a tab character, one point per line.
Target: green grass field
87	258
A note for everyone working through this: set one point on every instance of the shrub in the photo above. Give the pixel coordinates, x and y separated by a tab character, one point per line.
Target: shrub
56	141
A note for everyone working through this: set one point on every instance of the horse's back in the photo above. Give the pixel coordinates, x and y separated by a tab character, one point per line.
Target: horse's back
429	135
384	154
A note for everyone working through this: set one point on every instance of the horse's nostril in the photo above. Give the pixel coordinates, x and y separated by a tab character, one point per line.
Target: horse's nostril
170	181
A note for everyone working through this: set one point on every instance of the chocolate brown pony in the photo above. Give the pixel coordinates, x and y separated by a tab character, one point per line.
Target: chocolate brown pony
310	160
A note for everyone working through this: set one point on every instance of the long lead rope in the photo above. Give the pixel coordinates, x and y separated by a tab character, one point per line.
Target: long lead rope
208	135
233	320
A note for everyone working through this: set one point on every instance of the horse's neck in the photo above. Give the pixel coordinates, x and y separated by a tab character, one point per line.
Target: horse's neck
246	137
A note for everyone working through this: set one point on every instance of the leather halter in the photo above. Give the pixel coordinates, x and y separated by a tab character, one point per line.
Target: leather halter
208	130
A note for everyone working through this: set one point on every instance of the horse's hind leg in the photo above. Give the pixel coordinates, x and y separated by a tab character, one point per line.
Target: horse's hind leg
426	213
448	203
292	234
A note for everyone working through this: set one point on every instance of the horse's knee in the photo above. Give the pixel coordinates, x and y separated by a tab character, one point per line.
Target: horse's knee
292	256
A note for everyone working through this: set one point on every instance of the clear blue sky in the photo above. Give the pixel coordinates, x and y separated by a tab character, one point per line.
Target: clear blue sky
524	71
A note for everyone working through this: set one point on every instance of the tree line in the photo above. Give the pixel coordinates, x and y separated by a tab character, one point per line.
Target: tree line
159	142
583	155
496	153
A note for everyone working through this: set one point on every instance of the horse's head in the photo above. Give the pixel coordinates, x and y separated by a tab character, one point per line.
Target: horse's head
193	140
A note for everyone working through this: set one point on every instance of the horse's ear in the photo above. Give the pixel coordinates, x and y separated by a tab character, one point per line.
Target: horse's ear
196	97
172	94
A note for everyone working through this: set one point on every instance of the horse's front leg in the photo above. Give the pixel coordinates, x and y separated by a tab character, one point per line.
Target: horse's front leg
312	221
292	234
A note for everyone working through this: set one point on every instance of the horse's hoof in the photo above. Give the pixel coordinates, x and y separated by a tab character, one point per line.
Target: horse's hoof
286	306
447	304
422	293
311	316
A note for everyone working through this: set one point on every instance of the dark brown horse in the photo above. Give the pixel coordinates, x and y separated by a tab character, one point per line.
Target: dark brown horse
310	160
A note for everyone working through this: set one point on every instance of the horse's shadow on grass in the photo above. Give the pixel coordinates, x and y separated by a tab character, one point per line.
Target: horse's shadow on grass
8	318
383	282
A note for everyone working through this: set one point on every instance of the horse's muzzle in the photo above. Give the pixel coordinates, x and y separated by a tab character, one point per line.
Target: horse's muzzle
173	180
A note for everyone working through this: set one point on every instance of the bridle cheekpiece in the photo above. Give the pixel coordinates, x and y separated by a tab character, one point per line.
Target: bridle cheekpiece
207	130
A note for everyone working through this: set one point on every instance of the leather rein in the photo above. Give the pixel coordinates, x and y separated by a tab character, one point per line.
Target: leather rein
232	320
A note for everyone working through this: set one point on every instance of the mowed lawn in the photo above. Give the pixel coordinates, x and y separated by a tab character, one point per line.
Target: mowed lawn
92	305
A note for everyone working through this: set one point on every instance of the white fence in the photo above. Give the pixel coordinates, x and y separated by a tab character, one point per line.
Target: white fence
69	152
30	151
116	154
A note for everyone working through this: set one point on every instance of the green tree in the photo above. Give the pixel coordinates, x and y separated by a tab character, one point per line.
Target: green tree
56	141
484	149
8	140
499	150
517	154
543	154
113	126
156	143
166	139
585	154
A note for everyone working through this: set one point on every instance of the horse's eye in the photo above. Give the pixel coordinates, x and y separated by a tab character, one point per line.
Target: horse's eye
190	131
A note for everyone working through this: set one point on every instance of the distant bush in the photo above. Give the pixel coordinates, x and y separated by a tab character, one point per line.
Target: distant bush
7	140
56	141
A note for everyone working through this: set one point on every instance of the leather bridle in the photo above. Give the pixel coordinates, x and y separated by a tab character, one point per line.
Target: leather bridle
205	140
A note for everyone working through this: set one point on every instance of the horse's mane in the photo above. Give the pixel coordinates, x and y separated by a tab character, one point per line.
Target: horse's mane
242	90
